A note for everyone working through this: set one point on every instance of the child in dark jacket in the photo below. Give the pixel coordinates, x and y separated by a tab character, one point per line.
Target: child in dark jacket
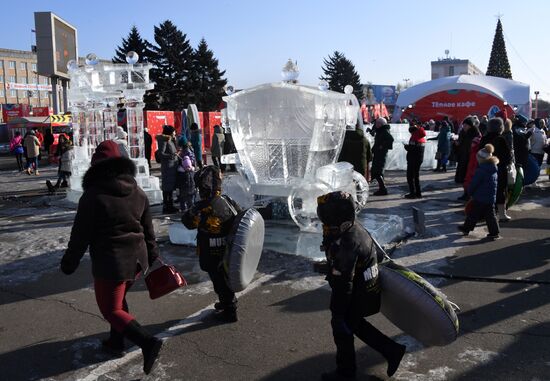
185	175
213	216
483	190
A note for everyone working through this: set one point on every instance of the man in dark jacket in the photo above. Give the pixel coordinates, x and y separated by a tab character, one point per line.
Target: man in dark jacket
521	140
356	150
383	142
113	220
213	217
148	143
167	153
353	276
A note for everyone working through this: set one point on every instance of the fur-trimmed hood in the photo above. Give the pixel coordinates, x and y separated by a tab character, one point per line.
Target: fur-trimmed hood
162	137
491	160
115	176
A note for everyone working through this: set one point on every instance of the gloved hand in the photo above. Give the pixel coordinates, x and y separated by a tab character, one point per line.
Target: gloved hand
68	267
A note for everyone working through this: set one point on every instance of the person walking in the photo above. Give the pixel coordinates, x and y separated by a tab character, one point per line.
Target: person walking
483	189
185	174
216	148
356	150
32	147
196	142
122	141
16	148
537	141
503	153
353	277
49	139
443	147
229	147
467	134
383	142
167	153
147	144
415	156
65	154
113	220
213	216
521	140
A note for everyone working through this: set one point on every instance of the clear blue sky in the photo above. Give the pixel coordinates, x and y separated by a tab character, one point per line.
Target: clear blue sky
252	39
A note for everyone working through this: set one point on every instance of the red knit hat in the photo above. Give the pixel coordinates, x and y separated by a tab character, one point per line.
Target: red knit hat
107	149
502	114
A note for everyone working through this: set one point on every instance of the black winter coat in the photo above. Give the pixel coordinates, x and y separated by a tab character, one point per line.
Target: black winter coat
353	272
383	141
356	150
114	221
521	145
463	152
213	219
148	143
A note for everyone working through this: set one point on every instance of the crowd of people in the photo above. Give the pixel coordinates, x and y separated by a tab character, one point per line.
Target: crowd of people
114	220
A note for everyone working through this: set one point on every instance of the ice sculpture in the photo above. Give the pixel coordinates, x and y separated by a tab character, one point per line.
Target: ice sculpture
288	138
96	89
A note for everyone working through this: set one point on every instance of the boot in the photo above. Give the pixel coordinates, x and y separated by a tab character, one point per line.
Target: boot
51	187
502	216
64	184
393	357
114	345
444	168
150	345
168	203
228	315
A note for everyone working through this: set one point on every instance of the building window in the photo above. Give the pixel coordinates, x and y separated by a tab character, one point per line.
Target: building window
13	93
23	65
44	94
23	80
451	70
1	64
12	78
2	93
33	80
12	65
1	78
33	67
22	93
46	82
35	94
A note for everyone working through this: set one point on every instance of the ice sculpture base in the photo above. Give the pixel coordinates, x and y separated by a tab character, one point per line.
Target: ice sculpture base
285	237
149	184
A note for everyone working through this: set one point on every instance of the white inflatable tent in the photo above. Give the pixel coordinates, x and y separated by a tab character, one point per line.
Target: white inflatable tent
514	92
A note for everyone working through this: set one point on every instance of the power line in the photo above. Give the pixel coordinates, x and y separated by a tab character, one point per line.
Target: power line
525	63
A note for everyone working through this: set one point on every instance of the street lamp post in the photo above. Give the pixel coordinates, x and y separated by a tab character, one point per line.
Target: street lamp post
536	104
406	80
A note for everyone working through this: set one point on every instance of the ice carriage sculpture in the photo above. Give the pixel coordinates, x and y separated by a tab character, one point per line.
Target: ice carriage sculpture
288	138
96	90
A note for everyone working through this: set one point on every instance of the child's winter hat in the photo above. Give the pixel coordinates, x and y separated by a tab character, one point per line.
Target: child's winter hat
485	153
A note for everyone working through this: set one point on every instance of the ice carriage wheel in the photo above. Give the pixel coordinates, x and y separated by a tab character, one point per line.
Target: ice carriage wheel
361	191
302	206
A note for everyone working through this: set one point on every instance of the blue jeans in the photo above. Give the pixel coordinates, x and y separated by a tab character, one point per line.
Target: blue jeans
32	162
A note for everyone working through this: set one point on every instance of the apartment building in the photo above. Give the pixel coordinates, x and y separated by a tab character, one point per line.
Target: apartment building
19	81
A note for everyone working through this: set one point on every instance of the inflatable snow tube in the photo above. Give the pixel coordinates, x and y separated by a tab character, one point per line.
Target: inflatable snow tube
515	190
245	244
531	172
416	307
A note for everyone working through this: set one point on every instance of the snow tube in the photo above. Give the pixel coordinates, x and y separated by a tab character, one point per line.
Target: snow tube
416	307
245	244
515	191
531	172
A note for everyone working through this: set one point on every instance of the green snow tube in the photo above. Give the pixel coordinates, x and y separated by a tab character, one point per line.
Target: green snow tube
515	190
416	307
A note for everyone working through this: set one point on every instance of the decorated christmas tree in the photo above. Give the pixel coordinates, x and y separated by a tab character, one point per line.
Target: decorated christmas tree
498	63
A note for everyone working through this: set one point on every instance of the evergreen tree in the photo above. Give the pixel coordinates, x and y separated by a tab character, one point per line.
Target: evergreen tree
172	57
207	79
133	42
339	72
498	63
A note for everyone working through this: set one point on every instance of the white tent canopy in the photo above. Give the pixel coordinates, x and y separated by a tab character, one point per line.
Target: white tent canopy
513	92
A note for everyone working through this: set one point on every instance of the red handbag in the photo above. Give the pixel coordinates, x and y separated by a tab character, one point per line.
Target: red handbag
164	280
